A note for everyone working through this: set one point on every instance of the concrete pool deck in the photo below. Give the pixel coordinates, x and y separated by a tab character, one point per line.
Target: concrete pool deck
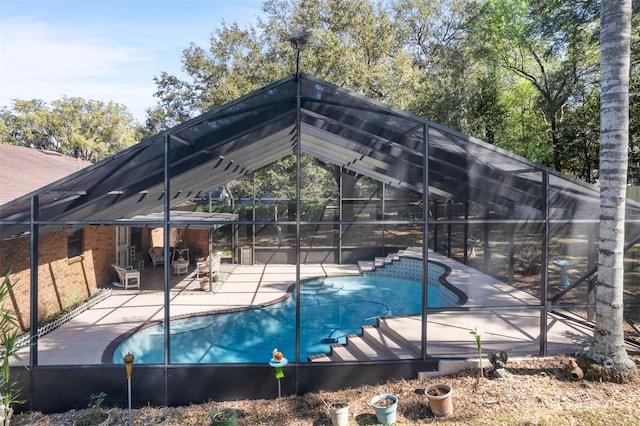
507	325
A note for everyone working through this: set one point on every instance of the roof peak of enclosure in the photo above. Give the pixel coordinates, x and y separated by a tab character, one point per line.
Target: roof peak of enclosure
337	126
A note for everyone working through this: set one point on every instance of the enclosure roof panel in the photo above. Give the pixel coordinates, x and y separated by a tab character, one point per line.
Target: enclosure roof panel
337	126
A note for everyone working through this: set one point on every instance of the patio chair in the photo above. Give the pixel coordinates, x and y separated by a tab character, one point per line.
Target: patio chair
129	278
210	265
157	255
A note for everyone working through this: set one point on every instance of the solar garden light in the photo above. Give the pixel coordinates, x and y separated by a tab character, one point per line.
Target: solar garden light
278	361
128	363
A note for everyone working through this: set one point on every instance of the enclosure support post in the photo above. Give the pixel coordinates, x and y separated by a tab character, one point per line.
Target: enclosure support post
511	254
340	217
299	46
33	259
465	236
545	262
449	210
425	237
384	251
298	239
486	247
435	225
166	265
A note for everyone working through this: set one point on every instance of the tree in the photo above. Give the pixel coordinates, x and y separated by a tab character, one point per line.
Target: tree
548	44
634	99
26	124
525	133
354	44
455	89
90	130
580	135
608	347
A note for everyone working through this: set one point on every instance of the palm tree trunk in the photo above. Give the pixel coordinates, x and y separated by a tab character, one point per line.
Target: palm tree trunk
608	346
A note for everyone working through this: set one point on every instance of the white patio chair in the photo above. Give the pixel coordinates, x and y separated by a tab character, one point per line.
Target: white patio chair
210	264
157	255
129	278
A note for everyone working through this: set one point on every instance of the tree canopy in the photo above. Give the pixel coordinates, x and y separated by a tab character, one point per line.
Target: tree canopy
520	74
89	130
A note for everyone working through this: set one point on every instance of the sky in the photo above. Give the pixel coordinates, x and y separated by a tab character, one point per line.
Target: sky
104	50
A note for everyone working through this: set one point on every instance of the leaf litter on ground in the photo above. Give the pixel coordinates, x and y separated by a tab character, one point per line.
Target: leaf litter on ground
539	392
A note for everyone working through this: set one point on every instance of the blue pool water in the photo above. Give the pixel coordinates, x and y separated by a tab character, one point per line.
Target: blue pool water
330	309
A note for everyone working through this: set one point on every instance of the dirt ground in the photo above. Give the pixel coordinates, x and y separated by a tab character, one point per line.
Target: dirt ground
539	392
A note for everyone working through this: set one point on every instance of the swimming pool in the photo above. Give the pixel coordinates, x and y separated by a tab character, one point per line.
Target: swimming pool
330	309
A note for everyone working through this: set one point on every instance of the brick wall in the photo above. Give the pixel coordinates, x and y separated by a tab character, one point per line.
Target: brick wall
193	238
196	239
62	282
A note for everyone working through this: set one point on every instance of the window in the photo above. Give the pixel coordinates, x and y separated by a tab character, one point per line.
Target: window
75	244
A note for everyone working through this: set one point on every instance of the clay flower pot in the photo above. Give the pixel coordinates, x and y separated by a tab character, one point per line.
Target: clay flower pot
204	284
440	398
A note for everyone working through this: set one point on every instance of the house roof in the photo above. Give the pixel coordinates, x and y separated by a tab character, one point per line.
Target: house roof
336	126
23	170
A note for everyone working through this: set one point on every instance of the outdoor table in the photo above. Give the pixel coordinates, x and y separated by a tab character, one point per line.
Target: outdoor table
180	266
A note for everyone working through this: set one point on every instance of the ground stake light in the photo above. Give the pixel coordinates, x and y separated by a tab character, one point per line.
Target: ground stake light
128	362
278	361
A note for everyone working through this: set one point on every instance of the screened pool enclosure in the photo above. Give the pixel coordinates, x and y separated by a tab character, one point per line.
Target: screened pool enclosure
520	240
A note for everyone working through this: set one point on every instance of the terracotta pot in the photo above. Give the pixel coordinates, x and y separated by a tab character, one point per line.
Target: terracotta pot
440	398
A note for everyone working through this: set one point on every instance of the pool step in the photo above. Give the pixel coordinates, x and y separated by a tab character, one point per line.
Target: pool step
413	252
397	347
384	341
366	265
378	262
405	330
324	286
380	342
364	349
342	353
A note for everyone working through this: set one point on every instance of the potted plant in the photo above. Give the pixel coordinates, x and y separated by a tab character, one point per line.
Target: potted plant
9	334
182	250
204	283
198	255
440	399
339	413
225	417
385	406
